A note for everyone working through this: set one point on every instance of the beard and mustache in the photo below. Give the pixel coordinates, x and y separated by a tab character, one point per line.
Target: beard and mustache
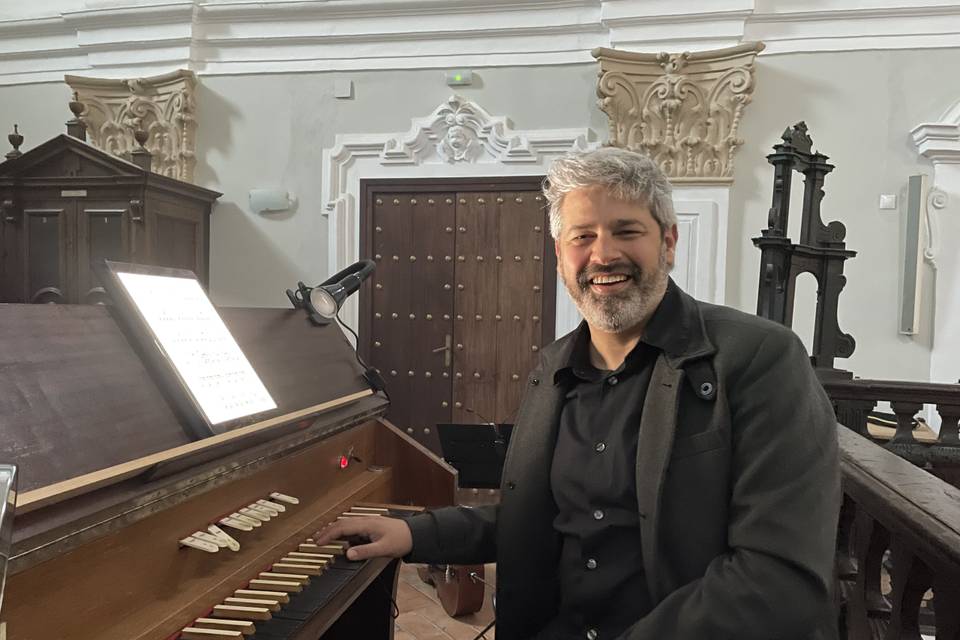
620	311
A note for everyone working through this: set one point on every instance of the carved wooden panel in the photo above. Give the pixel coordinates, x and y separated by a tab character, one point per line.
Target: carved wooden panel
102	233
47	252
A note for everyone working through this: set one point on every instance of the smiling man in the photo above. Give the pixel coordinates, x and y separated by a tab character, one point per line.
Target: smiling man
673	470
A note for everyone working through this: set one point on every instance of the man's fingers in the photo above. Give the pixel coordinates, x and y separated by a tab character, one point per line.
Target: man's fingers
341	528
364	551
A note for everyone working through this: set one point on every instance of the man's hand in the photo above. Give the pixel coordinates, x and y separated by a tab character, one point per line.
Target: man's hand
388	537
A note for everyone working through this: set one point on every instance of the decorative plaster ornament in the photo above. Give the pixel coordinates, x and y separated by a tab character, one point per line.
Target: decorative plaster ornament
683	110
163	106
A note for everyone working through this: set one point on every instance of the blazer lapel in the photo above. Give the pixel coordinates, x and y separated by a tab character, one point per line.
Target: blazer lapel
535	436
658	423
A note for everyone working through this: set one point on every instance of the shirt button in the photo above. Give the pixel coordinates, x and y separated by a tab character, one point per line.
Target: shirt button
600	447
613	380
591	564
598	514
592	634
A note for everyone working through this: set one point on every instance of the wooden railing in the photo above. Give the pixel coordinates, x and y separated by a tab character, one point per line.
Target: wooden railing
853	400
898	550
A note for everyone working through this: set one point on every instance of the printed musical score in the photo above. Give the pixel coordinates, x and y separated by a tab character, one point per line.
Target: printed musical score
193	336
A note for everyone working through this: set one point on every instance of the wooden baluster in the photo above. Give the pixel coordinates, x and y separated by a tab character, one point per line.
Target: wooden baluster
867	605
910	578
949	416
946	603
905	412
846	565
853	414
846	558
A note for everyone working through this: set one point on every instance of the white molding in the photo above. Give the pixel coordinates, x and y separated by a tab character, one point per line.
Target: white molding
939	142
124	38
491	148
702	212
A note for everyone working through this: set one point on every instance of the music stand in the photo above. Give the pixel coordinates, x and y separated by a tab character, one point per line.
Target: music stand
476	451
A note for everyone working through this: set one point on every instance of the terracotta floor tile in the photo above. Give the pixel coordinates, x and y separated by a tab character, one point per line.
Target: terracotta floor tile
409	599
423	618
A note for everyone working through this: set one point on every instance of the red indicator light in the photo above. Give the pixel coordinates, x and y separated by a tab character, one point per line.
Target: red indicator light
344	462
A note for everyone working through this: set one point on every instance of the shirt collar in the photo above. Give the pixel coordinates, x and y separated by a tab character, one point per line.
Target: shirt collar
660	333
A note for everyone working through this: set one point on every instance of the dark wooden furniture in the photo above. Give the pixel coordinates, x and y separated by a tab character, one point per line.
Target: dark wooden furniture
111	481
898	547
66	204
820	251
898	553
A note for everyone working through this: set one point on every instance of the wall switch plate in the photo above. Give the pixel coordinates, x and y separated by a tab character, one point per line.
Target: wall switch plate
888	201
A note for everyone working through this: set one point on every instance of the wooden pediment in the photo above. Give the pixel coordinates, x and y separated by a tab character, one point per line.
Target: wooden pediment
65	156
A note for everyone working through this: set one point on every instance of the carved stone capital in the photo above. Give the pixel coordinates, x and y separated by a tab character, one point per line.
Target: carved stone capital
163	106
683	109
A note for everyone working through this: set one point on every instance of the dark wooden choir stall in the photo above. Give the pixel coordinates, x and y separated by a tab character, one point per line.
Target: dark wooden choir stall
120	511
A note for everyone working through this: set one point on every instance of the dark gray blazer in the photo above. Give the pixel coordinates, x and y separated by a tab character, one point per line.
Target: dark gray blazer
737	487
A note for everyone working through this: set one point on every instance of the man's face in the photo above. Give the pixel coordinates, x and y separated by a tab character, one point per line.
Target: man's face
612	258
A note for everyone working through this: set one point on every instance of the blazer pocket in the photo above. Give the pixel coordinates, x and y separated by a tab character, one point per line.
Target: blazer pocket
698	443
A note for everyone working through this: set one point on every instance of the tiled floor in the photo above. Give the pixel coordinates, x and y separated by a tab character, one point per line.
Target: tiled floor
423	618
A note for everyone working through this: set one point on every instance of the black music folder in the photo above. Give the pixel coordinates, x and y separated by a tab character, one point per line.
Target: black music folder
476	451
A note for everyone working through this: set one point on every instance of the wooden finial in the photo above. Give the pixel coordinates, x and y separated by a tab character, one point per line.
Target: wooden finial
15	141
76	127
141	157
141	136
76	106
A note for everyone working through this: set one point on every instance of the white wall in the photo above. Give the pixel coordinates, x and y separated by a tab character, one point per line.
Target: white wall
860	108
270	131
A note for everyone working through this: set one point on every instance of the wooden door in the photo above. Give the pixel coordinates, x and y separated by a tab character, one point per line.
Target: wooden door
47	251
500	302
102	233
457	312
410	317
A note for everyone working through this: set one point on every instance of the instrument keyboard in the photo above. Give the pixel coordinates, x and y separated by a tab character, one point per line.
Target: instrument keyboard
278	603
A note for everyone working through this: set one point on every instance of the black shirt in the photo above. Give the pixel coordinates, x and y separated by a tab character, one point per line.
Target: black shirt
593	478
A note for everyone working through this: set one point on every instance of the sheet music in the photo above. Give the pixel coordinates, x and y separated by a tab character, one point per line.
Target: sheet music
198	343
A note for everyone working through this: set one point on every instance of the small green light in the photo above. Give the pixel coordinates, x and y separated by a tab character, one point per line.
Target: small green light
458	78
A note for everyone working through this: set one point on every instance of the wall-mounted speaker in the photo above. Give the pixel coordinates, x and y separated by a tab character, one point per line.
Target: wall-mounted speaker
911	284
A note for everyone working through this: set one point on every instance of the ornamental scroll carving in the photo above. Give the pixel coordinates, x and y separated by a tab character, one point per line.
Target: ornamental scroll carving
461	131
683	109
163	106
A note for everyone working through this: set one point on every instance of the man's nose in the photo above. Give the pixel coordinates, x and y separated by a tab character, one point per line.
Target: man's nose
604	250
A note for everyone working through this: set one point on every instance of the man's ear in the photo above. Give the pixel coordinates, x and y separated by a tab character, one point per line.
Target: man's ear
670	237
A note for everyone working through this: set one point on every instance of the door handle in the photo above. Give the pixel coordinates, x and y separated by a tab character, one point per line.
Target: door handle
447	348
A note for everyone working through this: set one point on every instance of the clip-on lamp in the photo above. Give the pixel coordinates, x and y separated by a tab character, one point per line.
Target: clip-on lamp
322	304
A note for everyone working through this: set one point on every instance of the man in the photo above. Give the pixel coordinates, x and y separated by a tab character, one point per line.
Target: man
673	471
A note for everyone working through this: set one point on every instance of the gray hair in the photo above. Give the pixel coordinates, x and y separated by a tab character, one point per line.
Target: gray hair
626	175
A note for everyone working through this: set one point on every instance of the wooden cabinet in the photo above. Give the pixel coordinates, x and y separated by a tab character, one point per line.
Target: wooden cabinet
66	205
